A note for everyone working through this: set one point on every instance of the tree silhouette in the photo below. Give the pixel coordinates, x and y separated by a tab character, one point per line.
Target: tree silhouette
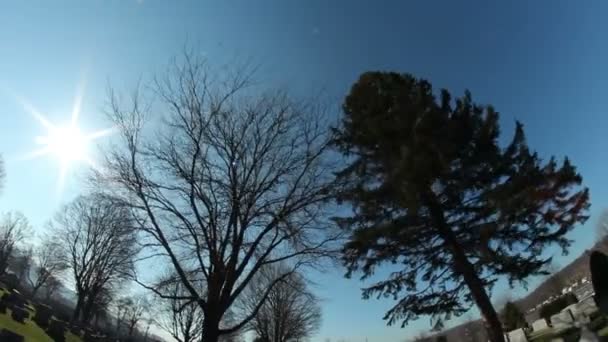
98	243
2	174
182	319
14	229
47	262
132	311
433	192
231	180
290	313
601	231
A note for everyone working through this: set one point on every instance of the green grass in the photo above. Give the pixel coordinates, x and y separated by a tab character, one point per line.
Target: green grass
30	330
603	332
69	337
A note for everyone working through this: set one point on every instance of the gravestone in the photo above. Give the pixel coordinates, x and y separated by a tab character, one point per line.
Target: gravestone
9	336
517	335
43	315
562	320
588	335
587	306
573	309
19	314
14	298
76	329
56	330
540	324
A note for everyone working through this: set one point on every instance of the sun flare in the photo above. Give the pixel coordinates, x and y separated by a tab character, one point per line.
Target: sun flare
66	143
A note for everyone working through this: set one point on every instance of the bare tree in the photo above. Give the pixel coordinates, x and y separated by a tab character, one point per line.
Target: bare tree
134	311
14	229
601	231
21	262
47	262
290	313
2	174
228	182
101	304
98	243
50	287
182	319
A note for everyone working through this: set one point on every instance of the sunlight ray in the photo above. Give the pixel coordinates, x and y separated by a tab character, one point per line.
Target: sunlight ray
76	108
89	161
99	134
35	113
63	171
37	153
67	143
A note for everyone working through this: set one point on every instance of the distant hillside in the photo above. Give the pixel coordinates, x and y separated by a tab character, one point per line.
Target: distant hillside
569	274
553	285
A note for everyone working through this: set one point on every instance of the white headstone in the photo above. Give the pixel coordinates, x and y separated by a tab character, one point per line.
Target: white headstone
562	320
588	335
573	309
539	324
517	336
586	306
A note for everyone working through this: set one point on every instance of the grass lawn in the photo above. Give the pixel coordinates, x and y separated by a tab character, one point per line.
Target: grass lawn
30	330
603	332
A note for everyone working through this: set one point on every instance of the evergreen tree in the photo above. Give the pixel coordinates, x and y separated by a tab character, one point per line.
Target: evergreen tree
512	317
433	192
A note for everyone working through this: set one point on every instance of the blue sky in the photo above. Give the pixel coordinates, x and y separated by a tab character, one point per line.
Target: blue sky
542	62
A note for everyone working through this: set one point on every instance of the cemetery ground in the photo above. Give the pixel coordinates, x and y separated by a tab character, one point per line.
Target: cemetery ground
593	321
570	334
28	329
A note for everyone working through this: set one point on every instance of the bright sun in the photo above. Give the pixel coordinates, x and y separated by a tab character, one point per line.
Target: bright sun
67	143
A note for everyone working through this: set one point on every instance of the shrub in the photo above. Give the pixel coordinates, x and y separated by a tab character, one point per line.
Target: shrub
9	336
19	314
554	307
597	323
513	318
56	330
2	307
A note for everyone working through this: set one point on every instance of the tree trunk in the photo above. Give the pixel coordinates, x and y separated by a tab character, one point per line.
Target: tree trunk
463	266
478	292
35	290
86	310
77	309
211	329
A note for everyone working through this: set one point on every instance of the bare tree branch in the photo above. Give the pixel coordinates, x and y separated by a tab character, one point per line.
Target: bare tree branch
98	242
223	182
